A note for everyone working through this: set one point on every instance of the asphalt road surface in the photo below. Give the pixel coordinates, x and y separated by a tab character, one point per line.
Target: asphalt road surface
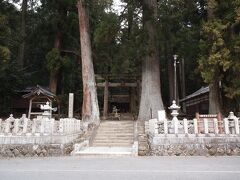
121	168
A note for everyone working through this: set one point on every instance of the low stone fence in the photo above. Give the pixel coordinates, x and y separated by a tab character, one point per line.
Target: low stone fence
40	126
194	137
205	128
41	136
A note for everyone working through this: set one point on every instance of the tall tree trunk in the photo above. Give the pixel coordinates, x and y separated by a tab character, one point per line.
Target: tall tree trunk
90	109
215	106
214	89
151	100
105	101
130	17
169	56
182	83
54	73
20	59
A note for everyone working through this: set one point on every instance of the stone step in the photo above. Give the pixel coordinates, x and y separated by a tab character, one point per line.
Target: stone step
112	145
106	151
114	136
116	129
117	122
115	132
115	126
113	141
126	131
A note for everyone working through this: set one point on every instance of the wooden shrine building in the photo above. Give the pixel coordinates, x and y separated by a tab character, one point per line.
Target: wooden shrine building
121	91
38	96
197	102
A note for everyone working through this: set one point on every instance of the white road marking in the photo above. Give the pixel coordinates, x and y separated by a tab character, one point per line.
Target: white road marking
119	171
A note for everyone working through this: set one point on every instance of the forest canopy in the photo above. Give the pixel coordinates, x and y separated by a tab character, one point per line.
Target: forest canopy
39	44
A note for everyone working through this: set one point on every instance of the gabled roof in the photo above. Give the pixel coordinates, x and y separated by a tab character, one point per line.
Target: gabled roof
199	92
39	91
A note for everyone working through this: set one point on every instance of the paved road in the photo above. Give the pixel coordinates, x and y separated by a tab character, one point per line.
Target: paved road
121	168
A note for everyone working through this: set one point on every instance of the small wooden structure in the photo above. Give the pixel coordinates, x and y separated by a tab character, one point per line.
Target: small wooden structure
37	97
197	102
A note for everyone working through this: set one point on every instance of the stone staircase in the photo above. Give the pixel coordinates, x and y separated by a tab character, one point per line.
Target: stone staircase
114	134
112	138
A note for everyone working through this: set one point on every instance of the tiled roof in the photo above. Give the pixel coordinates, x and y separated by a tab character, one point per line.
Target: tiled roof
39	90
199	92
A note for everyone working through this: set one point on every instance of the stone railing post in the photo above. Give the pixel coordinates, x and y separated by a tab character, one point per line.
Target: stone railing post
65	125
42	126
8	124
185	126
226	126
70	105
79	126
215	123
206	130
72	125
236	121
16	126
165	124
48	128
1	128
61	126
68	124
34	126
195	124
52	124
176	122
7	127
25	125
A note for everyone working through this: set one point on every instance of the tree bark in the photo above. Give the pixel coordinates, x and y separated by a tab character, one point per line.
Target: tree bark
151	100
169	56
90	109
105	104
53	82
214	98
20	59
130	17
214	88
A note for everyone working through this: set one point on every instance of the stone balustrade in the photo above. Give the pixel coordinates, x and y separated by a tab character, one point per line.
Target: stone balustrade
40	126
205	128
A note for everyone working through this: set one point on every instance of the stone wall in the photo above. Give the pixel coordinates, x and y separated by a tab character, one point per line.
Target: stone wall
195	146
143	146
11	151
41	140
43	146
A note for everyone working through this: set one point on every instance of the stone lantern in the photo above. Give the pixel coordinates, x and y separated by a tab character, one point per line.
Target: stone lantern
47	110
175	123
231	120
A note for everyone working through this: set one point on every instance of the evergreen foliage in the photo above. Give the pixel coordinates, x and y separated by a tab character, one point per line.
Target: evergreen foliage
208	46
